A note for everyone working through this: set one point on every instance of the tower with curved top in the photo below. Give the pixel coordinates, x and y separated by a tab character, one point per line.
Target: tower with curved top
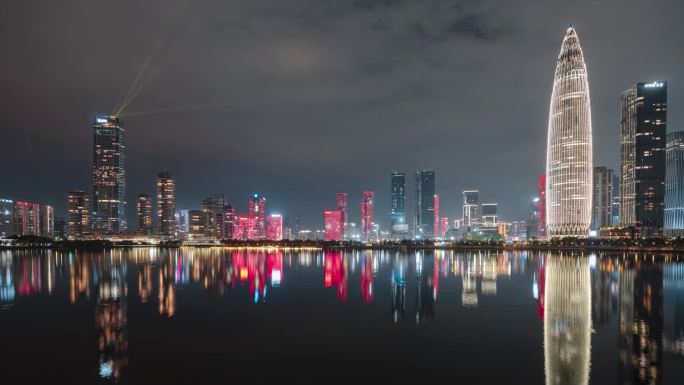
569	147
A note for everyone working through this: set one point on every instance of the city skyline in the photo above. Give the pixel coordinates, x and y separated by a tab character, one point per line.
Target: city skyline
448	137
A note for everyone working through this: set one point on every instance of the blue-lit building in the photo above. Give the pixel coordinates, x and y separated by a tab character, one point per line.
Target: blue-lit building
399	227
6	209
109	179
424	220
674	184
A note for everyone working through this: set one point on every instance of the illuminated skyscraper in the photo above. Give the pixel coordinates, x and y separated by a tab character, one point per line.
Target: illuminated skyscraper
26	218
367	216
470	208
398	225
602	206
166	204
212	207
257	217
532	225
489	219
78	214
143	212
47	221
60	228
435	204
196	224
616	199
332	225
228	221
569	148
182	223
424	220
541	223
109	182
6	212
674	184
342	206
274	227
643	124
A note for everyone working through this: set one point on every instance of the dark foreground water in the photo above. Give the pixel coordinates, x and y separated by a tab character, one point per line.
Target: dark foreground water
219	316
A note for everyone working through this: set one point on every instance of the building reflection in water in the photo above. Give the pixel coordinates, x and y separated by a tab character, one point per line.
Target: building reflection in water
573	293
640	340
673	309
567	320
398	288
110	317
425	292
7	290
335	273
367	276
604	282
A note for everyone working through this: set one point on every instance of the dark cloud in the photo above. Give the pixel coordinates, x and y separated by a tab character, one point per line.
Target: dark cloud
298	99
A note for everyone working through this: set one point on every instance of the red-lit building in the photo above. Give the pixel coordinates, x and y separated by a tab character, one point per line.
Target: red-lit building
274	228
541	191
242	228
26	218
257	216
342	207
367	216
333	225
436	219
445	227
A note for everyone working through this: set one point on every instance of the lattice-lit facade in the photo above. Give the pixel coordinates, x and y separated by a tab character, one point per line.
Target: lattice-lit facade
398	225
143	212
78	213
166	204
109	178
367	216
643	127
341	199
674	184
569	148
602	207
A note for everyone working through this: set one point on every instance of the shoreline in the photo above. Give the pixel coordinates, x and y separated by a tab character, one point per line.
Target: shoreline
354	247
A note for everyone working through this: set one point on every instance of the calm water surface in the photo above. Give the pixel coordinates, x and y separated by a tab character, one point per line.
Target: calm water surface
221	315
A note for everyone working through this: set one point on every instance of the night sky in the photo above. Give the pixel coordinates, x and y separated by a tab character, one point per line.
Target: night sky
299	99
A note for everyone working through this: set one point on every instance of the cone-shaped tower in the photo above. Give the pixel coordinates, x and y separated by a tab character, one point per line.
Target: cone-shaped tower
569	147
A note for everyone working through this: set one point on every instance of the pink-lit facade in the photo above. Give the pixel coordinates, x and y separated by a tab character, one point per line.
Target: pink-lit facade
444	226
26	218
257	217
274	228
341	199
333	225
436	219
242	228
367	216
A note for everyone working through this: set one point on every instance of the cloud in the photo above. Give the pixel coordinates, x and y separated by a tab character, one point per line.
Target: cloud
259	95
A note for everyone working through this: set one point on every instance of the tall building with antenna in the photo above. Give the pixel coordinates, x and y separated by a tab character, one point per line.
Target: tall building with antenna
109	177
